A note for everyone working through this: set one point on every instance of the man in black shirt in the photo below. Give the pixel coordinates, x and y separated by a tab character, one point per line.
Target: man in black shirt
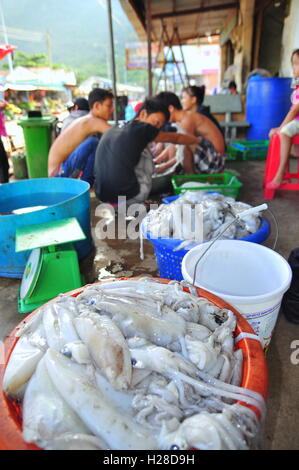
120	149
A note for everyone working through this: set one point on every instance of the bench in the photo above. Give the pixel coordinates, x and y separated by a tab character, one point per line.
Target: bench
227	104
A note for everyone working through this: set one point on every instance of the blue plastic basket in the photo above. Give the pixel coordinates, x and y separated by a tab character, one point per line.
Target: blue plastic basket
169	199
169	262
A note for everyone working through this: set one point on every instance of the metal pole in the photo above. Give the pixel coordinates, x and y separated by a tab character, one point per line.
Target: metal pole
182	54
112	60
149	46
9	56
49	47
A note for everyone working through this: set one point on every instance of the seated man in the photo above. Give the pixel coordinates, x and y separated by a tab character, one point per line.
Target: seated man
120	151
101	108
80	109
208	156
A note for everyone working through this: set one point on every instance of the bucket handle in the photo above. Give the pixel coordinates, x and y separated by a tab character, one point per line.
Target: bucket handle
239	216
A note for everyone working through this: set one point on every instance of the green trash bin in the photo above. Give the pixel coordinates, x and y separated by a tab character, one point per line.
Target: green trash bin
38	135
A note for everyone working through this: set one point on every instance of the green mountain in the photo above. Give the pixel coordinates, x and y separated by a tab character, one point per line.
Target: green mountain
78	31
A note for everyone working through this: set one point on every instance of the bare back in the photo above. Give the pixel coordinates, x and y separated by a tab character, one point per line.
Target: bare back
72	137
200	126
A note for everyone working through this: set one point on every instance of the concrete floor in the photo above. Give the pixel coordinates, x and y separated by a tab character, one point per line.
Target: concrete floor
116	258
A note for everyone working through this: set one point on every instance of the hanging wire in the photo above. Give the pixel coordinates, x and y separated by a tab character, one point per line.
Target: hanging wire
223	231
211	244
276	228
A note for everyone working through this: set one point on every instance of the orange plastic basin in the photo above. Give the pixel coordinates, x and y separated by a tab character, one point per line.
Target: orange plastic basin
255	374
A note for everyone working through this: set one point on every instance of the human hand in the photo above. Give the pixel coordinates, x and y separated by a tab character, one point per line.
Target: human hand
273	131
166	159
166	154
164	166
158	148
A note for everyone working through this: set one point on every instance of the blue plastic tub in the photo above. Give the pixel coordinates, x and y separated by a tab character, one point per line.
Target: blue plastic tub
64	197
169	262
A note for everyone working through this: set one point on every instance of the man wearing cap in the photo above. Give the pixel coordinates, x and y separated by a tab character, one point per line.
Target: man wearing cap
80	108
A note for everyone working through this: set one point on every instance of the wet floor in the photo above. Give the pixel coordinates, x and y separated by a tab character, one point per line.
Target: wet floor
121	258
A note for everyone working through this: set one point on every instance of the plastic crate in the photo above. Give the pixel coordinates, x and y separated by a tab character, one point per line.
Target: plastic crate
248	150
224	183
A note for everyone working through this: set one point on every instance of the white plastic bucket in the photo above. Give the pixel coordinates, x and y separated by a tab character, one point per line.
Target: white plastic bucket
250	277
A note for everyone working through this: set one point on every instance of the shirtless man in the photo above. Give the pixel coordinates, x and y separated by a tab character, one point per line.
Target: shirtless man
121	167
101	107
208	156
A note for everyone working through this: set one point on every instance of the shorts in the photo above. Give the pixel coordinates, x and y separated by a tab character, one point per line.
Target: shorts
80	163
207	159
291	128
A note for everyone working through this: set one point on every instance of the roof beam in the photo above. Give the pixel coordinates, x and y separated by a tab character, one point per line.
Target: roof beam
193	11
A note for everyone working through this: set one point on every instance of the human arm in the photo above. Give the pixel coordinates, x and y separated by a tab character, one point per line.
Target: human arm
164	166
166	154
273	131
294	111
166	159
188	162
71	138
158	148
175	138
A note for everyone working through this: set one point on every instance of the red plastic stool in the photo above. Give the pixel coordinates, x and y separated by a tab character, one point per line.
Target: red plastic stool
272	163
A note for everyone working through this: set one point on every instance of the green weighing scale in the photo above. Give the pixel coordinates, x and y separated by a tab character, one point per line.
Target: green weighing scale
52	267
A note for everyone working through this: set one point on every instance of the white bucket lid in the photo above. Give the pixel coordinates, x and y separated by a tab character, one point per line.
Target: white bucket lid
240	271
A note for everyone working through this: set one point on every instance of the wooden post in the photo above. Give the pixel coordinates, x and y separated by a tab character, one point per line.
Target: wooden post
223	61
258	33
149	46
259	14
247	12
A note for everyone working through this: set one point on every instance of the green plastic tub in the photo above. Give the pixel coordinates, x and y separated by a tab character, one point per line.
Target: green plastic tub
248	150
224	183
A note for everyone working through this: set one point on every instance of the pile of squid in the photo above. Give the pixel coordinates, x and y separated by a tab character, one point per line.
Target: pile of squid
197	217
133	364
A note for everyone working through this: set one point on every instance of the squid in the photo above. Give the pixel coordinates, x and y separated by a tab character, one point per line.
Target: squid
134	320
100	415
212	431
108	348
46	415
206	216
133	364
22	363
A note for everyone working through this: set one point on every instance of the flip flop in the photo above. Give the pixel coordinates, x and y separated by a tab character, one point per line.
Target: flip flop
273	185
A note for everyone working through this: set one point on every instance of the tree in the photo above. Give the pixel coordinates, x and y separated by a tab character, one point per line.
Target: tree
30	60
33	60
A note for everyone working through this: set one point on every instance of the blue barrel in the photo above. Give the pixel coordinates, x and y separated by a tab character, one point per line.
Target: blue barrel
63	198
267	103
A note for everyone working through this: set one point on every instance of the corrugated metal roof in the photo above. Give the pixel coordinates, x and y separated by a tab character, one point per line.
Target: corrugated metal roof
193	18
